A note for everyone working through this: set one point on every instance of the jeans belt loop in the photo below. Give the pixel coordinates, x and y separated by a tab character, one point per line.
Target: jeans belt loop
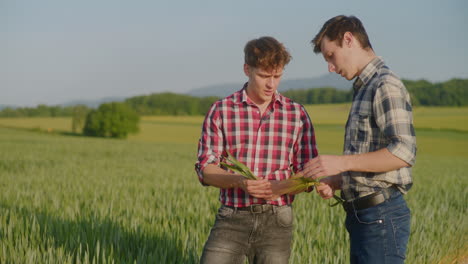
387	192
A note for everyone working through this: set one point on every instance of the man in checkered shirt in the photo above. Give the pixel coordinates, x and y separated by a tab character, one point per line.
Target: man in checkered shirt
270	134
379	148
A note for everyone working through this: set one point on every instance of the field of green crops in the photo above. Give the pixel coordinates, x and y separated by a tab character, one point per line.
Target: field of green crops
72	199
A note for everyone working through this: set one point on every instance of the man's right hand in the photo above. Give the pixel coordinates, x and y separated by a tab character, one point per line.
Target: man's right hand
257	188
328	185
215	176
325	191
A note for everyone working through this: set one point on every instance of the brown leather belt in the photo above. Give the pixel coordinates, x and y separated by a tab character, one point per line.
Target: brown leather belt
370	200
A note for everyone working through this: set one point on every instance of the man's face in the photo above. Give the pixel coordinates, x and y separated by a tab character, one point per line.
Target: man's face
262	83
339	59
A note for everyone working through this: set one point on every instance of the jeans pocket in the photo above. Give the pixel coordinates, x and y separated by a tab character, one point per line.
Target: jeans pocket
401	231
224	212
284	216
369	216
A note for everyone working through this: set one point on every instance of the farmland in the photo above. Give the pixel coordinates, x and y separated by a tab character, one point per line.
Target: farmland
65	198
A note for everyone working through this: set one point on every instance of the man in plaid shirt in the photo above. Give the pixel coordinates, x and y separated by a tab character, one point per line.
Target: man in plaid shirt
270	134
379	147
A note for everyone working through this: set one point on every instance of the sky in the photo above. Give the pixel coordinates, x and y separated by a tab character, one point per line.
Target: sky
54	52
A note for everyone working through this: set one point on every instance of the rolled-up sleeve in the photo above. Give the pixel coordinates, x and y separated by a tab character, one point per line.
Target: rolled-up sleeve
393	115
305	148
210	145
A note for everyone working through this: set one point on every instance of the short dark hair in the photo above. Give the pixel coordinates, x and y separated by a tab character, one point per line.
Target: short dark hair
266	53
335	28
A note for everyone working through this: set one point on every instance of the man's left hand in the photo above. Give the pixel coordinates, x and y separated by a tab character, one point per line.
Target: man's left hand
323	166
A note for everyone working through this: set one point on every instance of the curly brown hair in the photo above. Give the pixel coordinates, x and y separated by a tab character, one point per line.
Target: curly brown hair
266	53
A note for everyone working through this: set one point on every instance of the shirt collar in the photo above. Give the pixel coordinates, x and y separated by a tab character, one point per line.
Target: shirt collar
243	98
367	73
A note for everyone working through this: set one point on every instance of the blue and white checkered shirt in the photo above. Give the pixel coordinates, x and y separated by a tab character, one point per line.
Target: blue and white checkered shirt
380	117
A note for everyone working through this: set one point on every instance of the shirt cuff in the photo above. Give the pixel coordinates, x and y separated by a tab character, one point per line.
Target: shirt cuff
199	169
403	151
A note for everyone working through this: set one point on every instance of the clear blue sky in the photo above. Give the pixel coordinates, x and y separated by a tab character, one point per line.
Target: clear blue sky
53	52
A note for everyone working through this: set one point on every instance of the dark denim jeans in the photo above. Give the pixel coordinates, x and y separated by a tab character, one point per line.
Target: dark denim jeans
380	234
262	237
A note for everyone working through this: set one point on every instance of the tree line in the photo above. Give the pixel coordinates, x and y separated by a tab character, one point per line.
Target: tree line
170	104
423	93
450	93
38	111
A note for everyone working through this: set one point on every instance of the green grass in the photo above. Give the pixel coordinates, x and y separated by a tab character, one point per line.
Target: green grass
442	118
430	118
72	199
63	199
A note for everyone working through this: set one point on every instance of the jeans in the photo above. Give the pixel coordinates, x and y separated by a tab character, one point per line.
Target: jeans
262	237
380	234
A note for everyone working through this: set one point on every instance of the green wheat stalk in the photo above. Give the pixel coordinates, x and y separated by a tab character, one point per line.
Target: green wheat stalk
239	167
301	183
294	184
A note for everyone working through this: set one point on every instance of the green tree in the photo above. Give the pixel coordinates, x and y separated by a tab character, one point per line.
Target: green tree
79	113
115	120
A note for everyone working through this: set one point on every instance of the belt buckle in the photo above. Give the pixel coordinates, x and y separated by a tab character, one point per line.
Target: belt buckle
256	208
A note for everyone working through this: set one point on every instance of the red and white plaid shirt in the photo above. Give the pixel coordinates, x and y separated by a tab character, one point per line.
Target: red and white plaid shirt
267	144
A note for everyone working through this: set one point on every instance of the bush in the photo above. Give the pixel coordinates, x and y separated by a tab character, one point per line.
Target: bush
111	120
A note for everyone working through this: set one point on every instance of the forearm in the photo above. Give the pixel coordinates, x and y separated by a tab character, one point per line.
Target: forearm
217	177
378	161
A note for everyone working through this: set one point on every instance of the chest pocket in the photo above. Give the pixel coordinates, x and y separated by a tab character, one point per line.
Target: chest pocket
360	132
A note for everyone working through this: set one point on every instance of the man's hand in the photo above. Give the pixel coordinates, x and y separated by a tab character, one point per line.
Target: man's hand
215	176
323	166
257	188
325	190
328	186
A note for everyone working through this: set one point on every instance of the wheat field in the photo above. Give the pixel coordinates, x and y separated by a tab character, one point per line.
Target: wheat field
65	198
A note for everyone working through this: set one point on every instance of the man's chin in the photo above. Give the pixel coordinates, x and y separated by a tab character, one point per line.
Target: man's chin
349	78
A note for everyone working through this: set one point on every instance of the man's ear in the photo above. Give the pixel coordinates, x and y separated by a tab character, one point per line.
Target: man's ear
348	39
246	69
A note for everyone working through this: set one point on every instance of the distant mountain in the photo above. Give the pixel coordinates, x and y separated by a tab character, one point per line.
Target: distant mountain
327	80
89	103
5	106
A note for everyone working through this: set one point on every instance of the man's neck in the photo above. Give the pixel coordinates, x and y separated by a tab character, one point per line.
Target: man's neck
366	57
262	105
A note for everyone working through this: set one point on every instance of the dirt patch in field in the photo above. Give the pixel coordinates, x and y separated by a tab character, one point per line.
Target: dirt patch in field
460	258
